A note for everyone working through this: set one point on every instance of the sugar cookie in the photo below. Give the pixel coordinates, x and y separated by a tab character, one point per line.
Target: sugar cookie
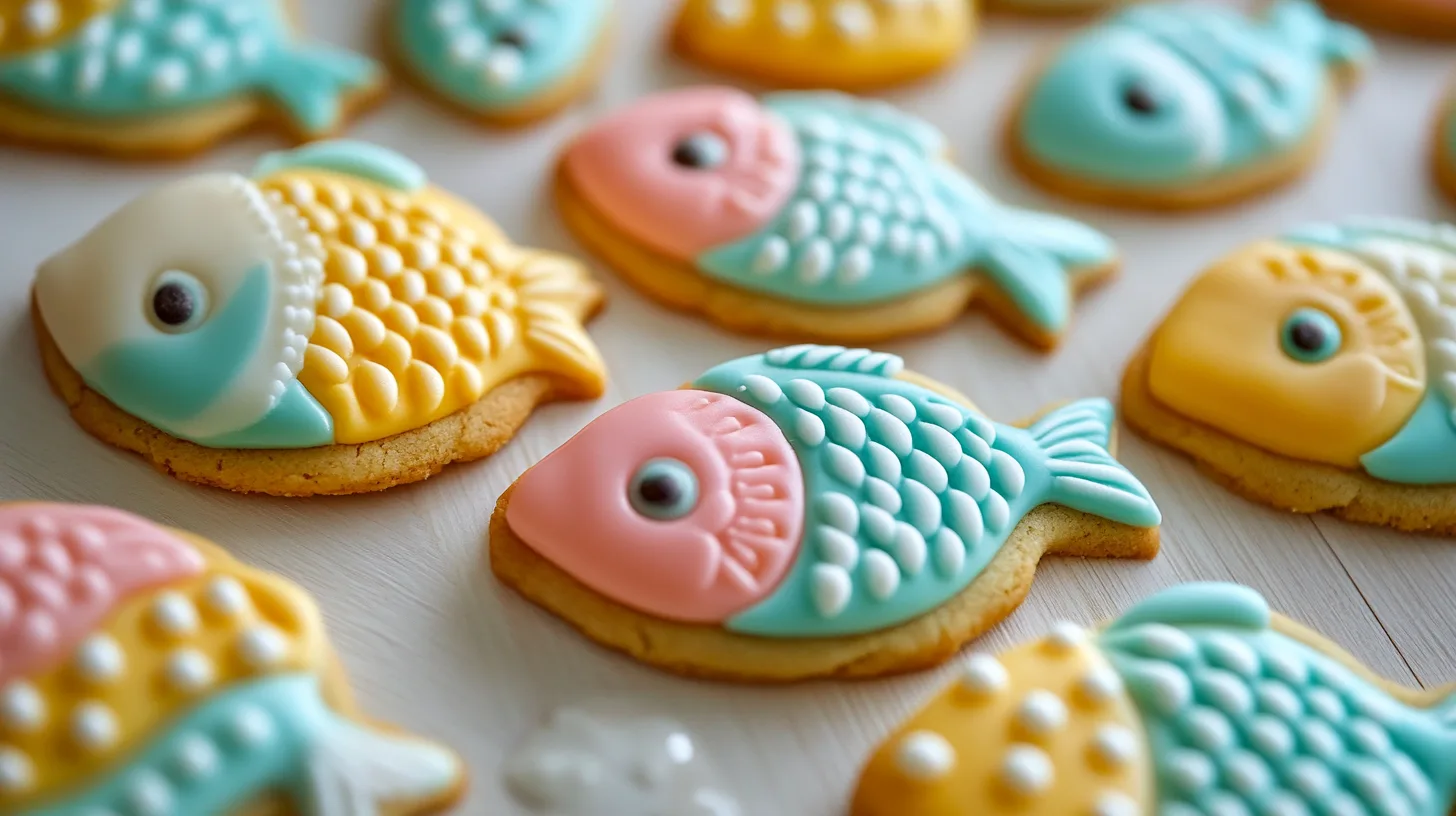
1173	105
144	671
161	77
849	44
333	324
810	512
1314	373
1419	18
815	216
1198	700
505	61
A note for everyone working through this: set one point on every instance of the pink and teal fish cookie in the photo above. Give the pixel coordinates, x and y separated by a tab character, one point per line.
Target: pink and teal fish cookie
813	511
506	61
815	215
1179	105
167	76
1198	701
144	672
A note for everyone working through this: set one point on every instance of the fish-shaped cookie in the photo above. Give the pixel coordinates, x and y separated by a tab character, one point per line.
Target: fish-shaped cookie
849	44
1198	701
812	511
331	324
1316	373
503	61
145	672
167	76
816	216
1177	105
1443	146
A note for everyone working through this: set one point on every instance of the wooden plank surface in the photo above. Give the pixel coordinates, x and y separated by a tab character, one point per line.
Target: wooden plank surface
433	642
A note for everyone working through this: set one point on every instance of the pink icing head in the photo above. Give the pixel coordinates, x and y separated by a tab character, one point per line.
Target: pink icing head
687	505
64	568
687	171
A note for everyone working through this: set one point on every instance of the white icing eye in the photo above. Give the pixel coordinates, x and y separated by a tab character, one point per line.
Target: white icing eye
178	302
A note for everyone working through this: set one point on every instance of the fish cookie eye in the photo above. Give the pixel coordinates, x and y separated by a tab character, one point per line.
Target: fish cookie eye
700	151
1310	336
663	489
518	37
178	303
1138	98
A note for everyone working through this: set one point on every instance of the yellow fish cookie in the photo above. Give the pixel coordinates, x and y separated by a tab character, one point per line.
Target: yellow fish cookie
144	671
849	44
332	324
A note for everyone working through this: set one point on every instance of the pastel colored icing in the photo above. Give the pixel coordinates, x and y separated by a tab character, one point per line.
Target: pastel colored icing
1165	94
819	199
894	500
333	298
193	688
135	58
1370	390
1197	701
498	55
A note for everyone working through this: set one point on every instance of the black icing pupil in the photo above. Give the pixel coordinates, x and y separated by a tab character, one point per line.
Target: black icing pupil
1306	335
697	152
1139	99
660	490
173	304
514	37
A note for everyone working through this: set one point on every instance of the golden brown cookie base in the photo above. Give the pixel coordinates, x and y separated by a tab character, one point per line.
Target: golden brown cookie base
683	287
463	436
714	652
1279	481
1410	19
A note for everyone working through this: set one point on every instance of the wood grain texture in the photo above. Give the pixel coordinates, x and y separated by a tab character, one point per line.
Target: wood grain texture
434	643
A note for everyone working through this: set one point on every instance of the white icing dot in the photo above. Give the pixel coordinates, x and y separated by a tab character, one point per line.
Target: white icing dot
1325	703
1065	636
816	261
251	726
900	238
169	77
189	670
871	230
1026	770
1209	730
188	30
821	186
466	47
1311	778
855	265
793	17
41	17
1114	803
1165	642
503	67
950	553
1246	773
22	709
1115	745
17	773
130	46
850	400
984	674
174	614
1320	740
251	48
93	726
772	255
805	393
1169	687
763	389
1190	771
144	10
149	794
837	548
262	646
882	576
1228	652
226	597
99	659
910	548
91	73
1100	684
852	19
830	587
729	12
803	220
1041	712
449	14
925	756
197	757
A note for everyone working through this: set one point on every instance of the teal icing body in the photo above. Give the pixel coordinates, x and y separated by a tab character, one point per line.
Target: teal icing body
909	495
1423	452
1243	719
1162	94
359	159
879	214
157	56
488	56
297	421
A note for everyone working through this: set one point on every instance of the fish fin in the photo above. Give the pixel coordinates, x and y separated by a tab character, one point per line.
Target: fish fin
355	771
1199	603
810	357
350	157
557	295
1303	23
310	83
1030	258
1084	475
878	117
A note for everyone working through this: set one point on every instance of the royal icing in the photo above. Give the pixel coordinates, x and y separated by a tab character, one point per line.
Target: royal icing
819	199
499	54
131	58
894	498
333	298
1195	702
177	682
1166	94
1329	346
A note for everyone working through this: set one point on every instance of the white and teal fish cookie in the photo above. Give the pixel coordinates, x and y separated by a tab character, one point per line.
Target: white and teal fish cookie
1198	701
167	76
815	215
1181	104
810	512
502	60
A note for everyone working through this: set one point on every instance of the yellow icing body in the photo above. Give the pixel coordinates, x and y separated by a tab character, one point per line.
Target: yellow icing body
27	25
427	306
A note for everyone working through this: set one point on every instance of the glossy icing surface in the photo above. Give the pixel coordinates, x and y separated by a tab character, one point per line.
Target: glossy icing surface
137	57
499	54
1169	93
900	497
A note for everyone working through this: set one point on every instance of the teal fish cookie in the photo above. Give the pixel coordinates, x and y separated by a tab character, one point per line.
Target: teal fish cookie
167	76
1175	105
1199	701
506	61
817	216
812	511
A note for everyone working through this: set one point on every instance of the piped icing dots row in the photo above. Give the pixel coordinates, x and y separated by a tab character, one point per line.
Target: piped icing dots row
851	21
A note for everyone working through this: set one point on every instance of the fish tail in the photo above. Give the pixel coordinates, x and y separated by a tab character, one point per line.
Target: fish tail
1304	24
1033	258
557	295
1075	439
354	770
310	84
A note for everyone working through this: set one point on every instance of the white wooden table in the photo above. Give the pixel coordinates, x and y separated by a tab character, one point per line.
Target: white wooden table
435	643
